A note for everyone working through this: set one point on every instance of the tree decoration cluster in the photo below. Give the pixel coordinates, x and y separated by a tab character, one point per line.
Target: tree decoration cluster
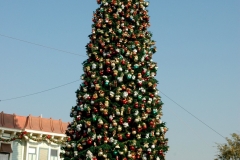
118	111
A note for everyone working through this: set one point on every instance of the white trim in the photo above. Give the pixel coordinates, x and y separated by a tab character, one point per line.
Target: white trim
3	129
10	155
46	133
27	151
23	148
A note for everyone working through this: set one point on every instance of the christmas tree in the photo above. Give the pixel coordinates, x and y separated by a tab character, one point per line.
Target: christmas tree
118	111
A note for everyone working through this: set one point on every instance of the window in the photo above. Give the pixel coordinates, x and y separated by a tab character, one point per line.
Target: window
5	150
54	154
32	153
6	135
4	156
43	154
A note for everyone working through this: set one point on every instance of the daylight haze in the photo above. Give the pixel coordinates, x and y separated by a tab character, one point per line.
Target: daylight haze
198	57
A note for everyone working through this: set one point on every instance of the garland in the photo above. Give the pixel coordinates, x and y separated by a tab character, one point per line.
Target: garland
25	135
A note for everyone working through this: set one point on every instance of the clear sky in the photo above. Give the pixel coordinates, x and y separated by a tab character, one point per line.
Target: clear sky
198	58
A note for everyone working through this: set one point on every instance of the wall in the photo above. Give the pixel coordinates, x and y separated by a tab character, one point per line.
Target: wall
17	147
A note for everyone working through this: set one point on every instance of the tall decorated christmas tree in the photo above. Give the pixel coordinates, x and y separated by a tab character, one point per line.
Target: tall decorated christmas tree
118	111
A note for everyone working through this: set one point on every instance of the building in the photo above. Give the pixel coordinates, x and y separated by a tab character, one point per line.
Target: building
30	137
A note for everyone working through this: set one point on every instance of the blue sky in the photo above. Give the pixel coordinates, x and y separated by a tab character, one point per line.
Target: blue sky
198	58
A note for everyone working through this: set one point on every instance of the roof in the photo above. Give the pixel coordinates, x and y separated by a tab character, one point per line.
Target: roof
30	122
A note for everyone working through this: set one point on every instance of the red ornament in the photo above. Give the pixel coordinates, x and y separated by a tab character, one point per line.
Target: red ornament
121	120
99	139
144	126
132	148
151	95
97	58
139	83
160	152
151	123
95	82
99	1
84	134
105	139
120	137
147	58
69	139
101	72
90	45
129	119
124	101
88	98
86	83
108	69
98	25
128	135
89	141
140	129
89	73
95	110
89	60
136	104
128	90
99	125
138	156
123	62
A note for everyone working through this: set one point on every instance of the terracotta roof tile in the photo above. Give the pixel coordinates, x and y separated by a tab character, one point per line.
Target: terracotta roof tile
64	127
32	123
1	119
46	125
61	126
20	122
7	120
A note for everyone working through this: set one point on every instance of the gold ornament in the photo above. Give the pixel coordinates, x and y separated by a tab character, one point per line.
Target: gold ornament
106	103
119	128
95	96
138	136
97	87
101	93
114	123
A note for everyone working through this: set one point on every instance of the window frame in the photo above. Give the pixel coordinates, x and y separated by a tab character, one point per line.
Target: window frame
32	154
53	157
